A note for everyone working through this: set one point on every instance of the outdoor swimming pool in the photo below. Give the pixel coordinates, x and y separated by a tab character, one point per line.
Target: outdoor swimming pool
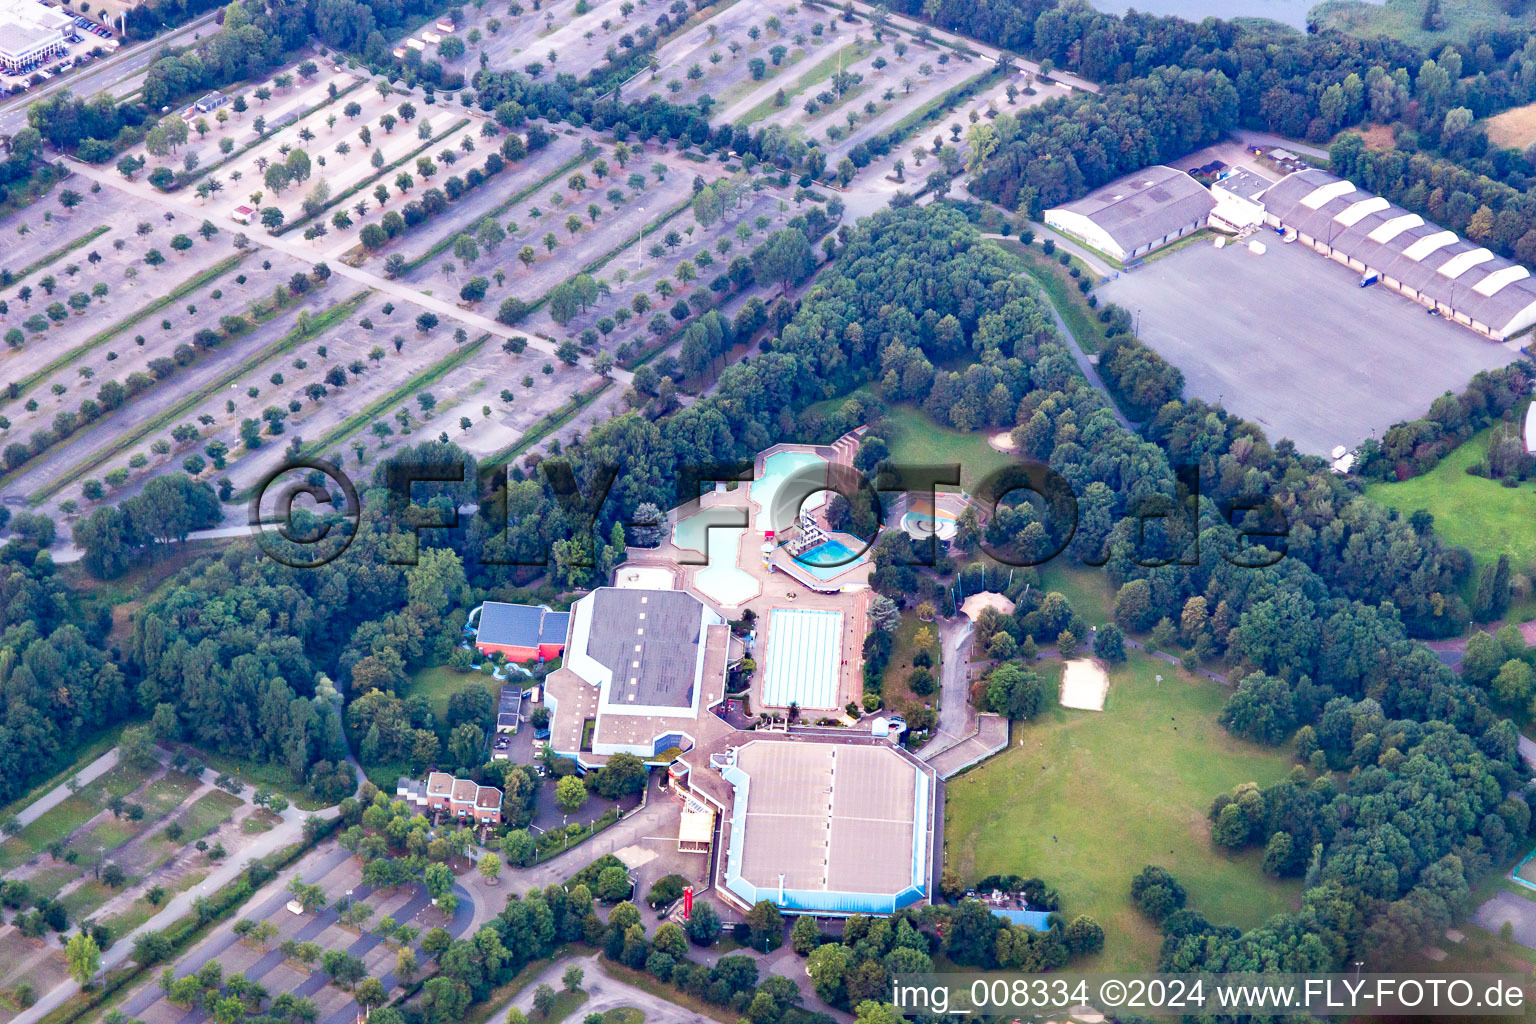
777	468
828	559
721	580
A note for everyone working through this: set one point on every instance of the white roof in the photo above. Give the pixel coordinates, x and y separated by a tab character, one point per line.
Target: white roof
1463	262
1326	193
1353	214
1390	229
1428	244
1499	278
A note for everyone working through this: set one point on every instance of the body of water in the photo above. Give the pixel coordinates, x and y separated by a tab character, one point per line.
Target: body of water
1287	12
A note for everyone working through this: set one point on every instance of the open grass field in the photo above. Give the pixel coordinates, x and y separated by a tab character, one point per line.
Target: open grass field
1515	128
1482	515
273	776
1087	588
1402	19
69	815
1085	799
207	813
440	682
914	437
899	669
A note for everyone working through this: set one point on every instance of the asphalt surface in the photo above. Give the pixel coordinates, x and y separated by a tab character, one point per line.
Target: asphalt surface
118	74
1291	341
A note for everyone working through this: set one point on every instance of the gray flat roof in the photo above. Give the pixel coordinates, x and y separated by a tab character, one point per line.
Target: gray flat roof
1141	208
1244	183
828	817
649	640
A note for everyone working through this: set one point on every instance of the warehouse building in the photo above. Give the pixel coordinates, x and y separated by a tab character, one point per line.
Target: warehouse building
1436	268
30	35
1138	213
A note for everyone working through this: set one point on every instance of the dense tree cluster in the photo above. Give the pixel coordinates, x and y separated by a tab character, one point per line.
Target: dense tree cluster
58	682
1414	447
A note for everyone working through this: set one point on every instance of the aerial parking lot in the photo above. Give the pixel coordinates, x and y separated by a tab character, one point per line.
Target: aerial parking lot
1291	341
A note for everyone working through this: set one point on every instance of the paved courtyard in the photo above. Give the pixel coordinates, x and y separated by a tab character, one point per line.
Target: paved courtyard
1339	364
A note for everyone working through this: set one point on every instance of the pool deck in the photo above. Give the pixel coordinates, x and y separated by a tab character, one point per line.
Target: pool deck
775	589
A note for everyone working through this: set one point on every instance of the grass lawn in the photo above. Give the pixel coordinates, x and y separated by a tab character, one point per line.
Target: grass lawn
566	1004
259	822
441	682
624	1015
207	813
1403	19
166	794
49	880
1085	799
1482	515
913	437
1087	588
86	897
75	810
273	776
121	924
109	833
894	685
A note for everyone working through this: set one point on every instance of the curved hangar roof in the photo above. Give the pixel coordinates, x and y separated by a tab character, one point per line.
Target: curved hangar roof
1436	263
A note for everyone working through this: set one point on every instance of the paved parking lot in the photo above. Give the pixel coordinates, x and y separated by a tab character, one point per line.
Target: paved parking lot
1291	341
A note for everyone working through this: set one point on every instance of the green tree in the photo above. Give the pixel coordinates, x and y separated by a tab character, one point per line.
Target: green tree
83	957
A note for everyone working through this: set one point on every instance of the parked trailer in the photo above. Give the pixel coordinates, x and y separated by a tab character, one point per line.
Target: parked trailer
1366	280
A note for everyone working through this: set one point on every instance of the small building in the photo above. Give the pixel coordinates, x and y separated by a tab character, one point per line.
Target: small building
416	44
242	214
444	25
1238	207
428	36
1136	214
509	709
521	632
209	103
696	831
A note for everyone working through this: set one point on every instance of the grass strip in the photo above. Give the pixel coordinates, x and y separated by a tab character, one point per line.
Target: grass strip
316	326
442	244
930	111
182	183
549	423
355	422
107	333
820	71
191	928
355	189
65	249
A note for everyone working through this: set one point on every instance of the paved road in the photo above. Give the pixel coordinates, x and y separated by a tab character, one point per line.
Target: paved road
119	74
957	719
1083	362
61	792
1253	138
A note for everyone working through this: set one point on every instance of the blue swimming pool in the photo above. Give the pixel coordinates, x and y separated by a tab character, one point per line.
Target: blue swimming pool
828	559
